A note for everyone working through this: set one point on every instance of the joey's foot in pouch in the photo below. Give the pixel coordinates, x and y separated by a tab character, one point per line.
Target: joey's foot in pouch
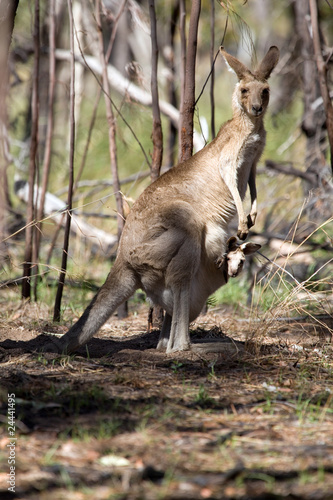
219	262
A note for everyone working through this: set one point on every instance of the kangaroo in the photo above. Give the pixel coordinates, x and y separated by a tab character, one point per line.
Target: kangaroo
176	231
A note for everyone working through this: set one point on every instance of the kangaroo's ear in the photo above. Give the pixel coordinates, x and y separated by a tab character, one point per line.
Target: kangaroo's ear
268	63
236	66
249	248
232	244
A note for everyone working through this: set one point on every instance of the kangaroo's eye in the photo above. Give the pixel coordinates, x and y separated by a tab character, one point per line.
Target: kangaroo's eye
244	90
265	92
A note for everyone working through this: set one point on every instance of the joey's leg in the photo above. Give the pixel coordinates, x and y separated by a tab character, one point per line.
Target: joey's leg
165	333
179	335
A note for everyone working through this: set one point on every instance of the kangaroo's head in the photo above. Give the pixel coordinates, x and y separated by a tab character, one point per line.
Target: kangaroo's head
236	255
251	94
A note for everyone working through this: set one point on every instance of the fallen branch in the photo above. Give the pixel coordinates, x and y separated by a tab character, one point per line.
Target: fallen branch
290	170
104	183
127	88
54	208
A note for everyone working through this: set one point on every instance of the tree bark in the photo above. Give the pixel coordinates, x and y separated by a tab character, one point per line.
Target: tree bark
157	134
122	310
187	111
322	73
313	121
212	63
29	230
48	140
8	10
169	157
62	276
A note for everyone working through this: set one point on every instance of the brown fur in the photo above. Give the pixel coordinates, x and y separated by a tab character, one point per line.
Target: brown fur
177	229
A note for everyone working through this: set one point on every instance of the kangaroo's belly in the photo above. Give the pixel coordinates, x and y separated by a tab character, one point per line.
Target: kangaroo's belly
206	281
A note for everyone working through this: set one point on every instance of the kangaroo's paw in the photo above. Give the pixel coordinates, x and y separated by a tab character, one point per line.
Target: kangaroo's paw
242	233
251	219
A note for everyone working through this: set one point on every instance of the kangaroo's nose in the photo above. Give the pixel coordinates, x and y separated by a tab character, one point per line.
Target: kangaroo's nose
257	109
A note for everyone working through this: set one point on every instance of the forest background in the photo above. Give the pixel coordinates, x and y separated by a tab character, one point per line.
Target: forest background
92	96
66	123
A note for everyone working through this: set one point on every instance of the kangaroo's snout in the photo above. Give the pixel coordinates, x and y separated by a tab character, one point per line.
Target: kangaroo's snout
257	109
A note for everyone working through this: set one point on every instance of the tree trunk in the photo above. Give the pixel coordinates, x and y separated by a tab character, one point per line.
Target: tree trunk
212	63
48	139
8	10
122	310
62	276
322	73
29	230
313	122
187	109
157	134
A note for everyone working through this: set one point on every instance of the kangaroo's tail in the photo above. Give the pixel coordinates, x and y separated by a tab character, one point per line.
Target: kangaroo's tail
120	284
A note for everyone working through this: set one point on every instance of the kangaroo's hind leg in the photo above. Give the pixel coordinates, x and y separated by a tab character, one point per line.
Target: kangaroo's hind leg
165	333
179	339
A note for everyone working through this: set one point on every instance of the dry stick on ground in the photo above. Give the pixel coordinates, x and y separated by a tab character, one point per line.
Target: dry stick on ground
157	134
48	141
322	71
187	110
29	231
56	315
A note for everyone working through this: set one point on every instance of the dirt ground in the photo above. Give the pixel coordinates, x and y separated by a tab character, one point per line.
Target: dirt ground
120	420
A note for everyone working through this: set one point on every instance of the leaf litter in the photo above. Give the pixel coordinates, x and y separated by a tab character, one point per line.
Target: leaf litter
122	420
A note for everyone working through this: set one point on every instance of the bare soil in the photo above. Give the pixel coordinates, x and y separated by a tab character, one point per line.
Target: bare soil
120	420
